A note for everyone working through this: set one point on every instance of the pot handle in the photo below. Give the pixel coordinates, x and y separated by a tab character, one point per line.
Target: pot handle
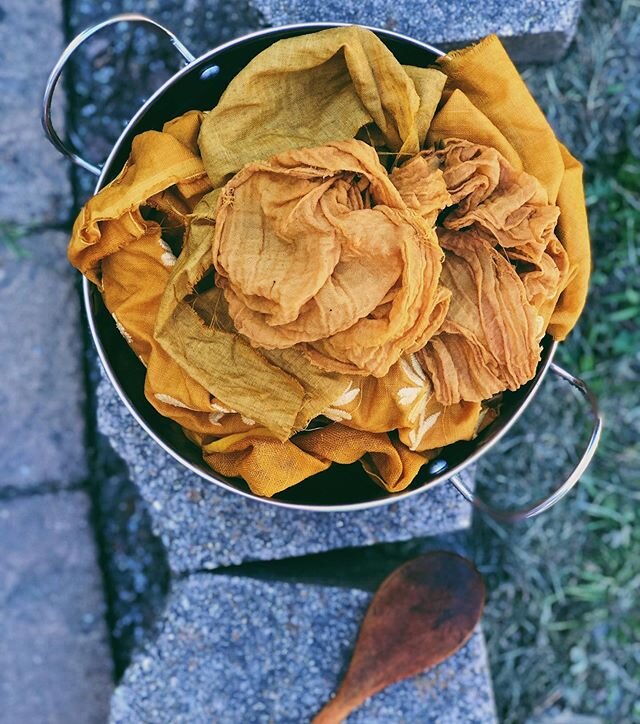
52	81
510	516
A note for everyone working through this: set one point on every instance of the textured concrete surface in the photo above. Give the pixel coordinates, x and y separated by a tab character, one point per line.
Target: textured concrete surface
537	30
34	182
42	425
101	101
205	527
54	658
239	650
135	571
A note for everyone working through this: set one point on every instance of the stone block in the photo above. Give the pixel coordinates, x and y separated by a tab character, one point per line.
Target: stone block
532	30
42	429
241	650
34	178
54	655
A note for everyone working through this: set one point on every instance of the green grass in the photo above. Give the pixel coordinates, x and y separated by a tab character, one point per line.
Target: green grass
11	236
563	615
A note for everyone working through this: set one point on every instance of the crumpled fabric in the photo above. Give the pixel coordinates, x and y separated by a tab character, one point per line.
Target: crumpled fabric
487	102
490	340
280	390
146	240
510	209
371	292
404	400
315	89
504	270
122	241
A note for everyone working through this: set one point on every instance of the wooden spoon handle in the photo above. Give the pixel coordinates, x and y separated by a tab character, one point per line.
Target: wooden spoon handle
336	710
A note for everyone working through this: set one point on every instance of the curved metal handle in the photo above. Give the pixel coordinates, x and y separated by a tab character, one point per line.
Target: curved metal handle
52	81
540	506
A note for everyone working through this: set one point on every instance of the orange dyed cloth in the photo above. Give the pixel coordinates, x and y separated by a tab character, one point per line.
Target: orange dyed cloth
268	268
487	102
316	248
504	269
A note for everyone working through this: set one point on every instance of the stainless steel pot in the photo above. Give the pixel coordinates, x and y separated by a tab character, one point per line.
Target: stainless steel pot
199	85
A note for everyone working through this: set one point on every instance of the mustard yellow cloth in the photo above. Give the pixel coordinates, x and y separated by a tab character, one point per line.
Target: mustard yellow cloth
147	240
500	248
371	292
489	103
314	89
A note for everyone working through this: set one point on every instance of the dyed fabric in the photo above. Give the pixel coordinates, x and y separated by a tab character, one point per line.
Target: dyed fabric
504	268
335	241
371	292
489	103
315	89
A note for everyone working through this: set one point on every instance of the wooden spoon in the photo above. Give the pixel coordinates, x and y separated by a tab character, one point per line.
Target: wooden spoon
422	613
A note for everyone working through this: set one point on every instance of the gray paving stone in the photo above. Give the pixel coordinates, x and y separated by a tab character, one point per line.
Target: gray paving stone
537	30
203	526
34	183
239	650
41	386
54	656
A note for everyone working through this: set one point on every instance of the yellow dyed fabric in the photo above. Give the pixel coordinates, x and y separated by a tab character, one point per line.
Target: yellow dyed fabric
316	89
337	239
488	103
282	391
504	270
255	455
200	372
371	291
490	342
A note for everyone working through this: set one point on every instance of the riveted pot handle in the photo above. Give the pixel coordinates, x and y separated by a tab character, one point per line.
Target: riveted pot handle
540	506
62	61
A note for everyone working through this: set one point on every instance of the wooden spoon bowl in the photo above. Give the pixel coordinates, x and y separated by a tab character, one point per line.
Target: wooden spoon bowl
422	613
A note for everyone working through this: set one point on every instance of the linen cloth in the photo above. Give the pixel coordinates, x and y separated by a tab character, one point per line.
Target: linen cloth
243	366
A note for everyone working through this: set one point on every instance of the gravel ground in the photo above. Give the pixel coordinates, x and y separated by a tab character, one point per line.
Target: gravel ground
560	621
101	103
132	559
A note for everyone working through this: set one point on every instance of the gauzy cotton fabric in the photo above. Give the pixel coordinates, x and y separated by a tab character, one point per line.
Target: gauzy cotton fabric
308	170
371	292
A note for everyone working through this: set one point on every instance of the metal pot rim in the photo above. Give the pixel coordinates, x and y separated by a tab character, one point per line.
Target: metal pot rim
450	473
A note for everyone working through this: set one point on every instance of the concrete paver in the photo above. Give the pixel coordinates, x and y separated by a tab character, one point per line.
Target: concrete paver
532	30
238	650
42	425
34	179
54	656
